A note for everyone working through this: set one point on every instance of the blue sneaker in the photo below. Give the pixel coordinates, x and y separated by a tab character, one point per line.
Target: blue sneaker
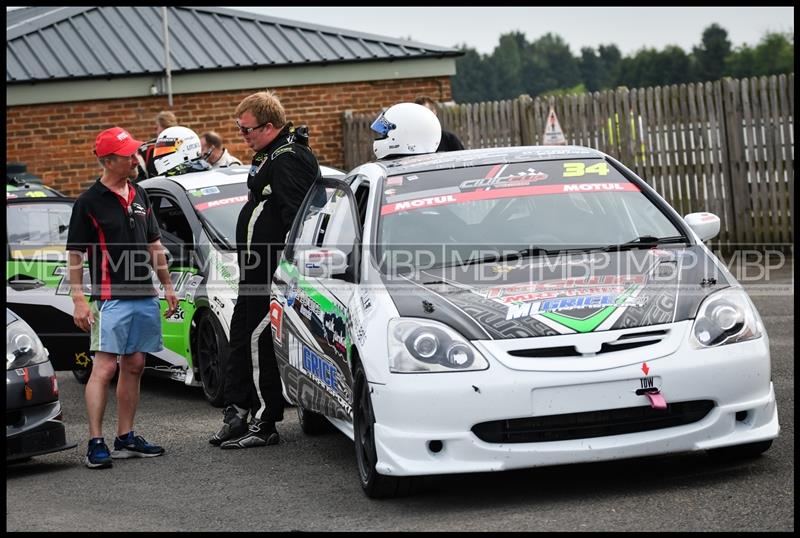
131	446
98	457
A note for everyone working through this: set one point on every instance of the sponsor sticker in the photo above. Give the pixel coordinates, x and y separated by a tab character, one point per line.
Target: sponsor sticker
276	321
177	317
507	192
319	369
221	202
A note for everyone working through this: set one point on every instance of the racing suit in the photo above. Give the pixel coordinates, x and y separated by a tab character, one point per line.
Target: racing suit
280	176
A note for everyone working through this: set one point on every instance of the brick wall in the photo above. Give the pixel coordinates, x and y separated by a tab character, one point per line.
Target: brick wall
56	140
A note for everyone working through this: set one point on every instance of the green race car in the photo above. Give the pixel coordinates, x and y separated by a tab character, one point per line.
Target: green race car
197	214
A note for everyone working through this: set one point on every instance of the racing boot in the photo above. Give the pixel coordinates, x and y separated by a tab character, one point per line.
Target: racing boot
260	433
233	425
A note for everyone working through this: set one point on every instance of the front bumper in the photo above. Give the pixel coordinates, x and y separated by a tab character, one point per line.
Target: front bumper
33	426
35	431
414	409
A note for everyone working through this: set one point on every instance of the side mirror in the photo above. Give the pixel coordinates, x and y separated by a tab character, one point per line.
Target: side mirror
322	262
705	225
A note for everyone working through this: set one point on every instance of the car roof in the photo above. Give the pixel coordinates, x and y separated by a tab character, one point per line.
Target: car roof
225	176
30	191
479	157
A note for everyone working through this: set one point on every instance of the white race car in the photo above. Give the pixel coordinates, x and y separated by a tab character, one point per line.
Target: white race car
506	308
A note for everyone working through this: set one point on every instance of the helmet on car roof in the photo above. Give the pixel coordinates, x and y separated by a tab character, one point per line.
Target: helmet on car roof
174	147
406	129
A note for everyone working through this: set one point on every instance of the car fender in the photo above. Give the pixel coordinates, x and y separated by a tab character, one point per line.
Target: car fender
371	308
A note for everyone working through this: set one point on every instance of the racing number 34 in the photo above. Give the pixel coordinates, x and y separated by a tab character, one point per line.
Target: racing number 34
580	169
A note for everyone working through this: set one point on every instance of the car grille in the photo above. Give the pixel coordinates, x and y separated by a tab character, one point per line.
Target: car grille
626	341
591	424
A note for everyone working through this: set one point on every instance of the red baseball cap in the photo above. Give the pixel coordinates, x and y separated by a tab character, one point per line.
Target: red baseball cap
116	141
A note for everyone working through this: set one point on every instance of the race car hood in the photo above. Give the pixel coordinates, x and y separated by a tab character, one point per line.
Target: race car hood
561	294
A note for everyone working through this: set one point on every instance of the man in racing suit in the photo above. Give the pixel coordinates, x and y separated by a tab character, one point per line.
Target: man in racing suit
282	172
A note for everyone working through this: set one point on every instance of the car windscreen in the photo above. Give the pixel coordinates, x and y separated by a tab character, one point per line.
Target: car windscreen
38	230
219	207
28	190
443	217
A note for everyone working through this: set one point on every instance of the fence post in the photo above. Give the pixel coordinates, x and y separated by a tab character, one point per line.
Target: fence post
525	126
733	157
347	135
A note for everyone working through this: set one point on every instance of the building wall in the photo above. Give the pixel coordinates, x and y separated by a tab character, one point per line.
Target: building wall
56	140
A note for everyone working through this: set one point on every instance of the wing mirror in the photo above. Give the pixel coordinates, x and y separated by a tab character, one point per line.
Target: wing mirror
322	262
705	225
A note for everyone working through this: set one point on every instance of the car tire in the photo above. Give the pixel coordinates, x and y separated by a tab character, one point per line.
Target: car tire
312	423
211	351
740	452
374	484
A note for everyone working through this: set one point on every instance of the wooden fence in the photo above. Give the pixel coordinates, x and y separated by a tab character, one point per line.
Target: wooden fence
726	147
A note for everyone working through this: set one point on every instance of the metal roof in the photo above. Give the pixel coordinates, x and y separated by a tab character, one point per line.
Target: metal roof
58	43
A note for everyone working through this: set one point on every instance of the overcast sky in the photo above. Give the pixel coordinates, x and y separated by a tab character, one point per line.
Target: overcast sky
480	28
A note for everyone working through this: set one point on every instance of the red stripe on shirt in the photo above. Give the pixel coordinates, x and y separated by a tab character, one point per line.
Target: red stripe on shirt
105	278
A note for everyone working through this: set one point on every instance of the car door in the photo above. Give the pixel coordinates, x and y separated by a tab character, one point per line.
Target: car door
178	238
312	286
37	284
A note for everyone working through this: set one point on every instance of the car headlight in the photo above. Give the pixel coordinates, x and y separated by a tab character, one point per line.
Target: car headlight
725	317
421	346
23	347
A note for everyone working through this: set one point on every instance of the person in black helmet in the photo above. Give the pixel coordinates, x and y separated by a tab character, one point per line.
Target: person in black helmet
449	141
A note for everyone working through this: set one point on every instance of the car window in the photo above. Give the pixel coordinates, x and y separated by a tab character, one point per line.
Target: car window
452	214
171	219
325	222
219	208
362	199
38	230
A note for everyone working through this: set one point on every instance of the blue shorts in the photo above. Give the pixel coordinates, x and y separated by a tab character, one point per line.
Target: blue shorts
125	326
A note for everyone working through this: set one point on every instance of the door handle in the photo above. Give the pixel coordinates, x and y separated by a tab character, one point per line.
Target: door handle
24	283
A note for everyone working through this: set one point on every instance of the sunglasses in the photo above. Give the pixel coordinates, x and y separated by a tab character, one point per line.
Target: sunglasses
131	222
248	130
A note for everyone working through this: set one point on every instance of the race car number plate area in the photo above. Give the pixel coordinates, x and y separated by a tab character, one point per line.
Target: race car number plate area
591	396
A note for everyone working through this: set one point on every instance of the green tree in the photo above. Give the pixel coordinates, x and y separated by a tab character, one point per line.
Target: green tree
600	70
469	84
506	62
591	69
773	55
650	67
709	56
610	59
549	65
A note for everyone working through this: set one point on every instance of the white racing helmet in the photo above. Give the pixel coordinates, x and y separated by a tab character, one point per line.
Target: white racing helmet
406	129
174	147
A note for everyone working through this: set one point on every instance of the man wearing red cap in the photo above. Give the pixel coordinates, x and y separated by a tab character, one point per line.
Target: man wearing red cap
113	223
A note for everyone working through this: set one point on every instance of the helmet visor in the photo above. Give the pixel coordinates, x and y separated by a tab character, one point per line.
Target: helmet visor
166	146
382	126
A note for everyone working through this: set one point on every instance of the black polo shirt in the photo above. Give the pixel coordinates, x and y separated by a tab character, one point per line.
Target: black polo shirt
115	233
